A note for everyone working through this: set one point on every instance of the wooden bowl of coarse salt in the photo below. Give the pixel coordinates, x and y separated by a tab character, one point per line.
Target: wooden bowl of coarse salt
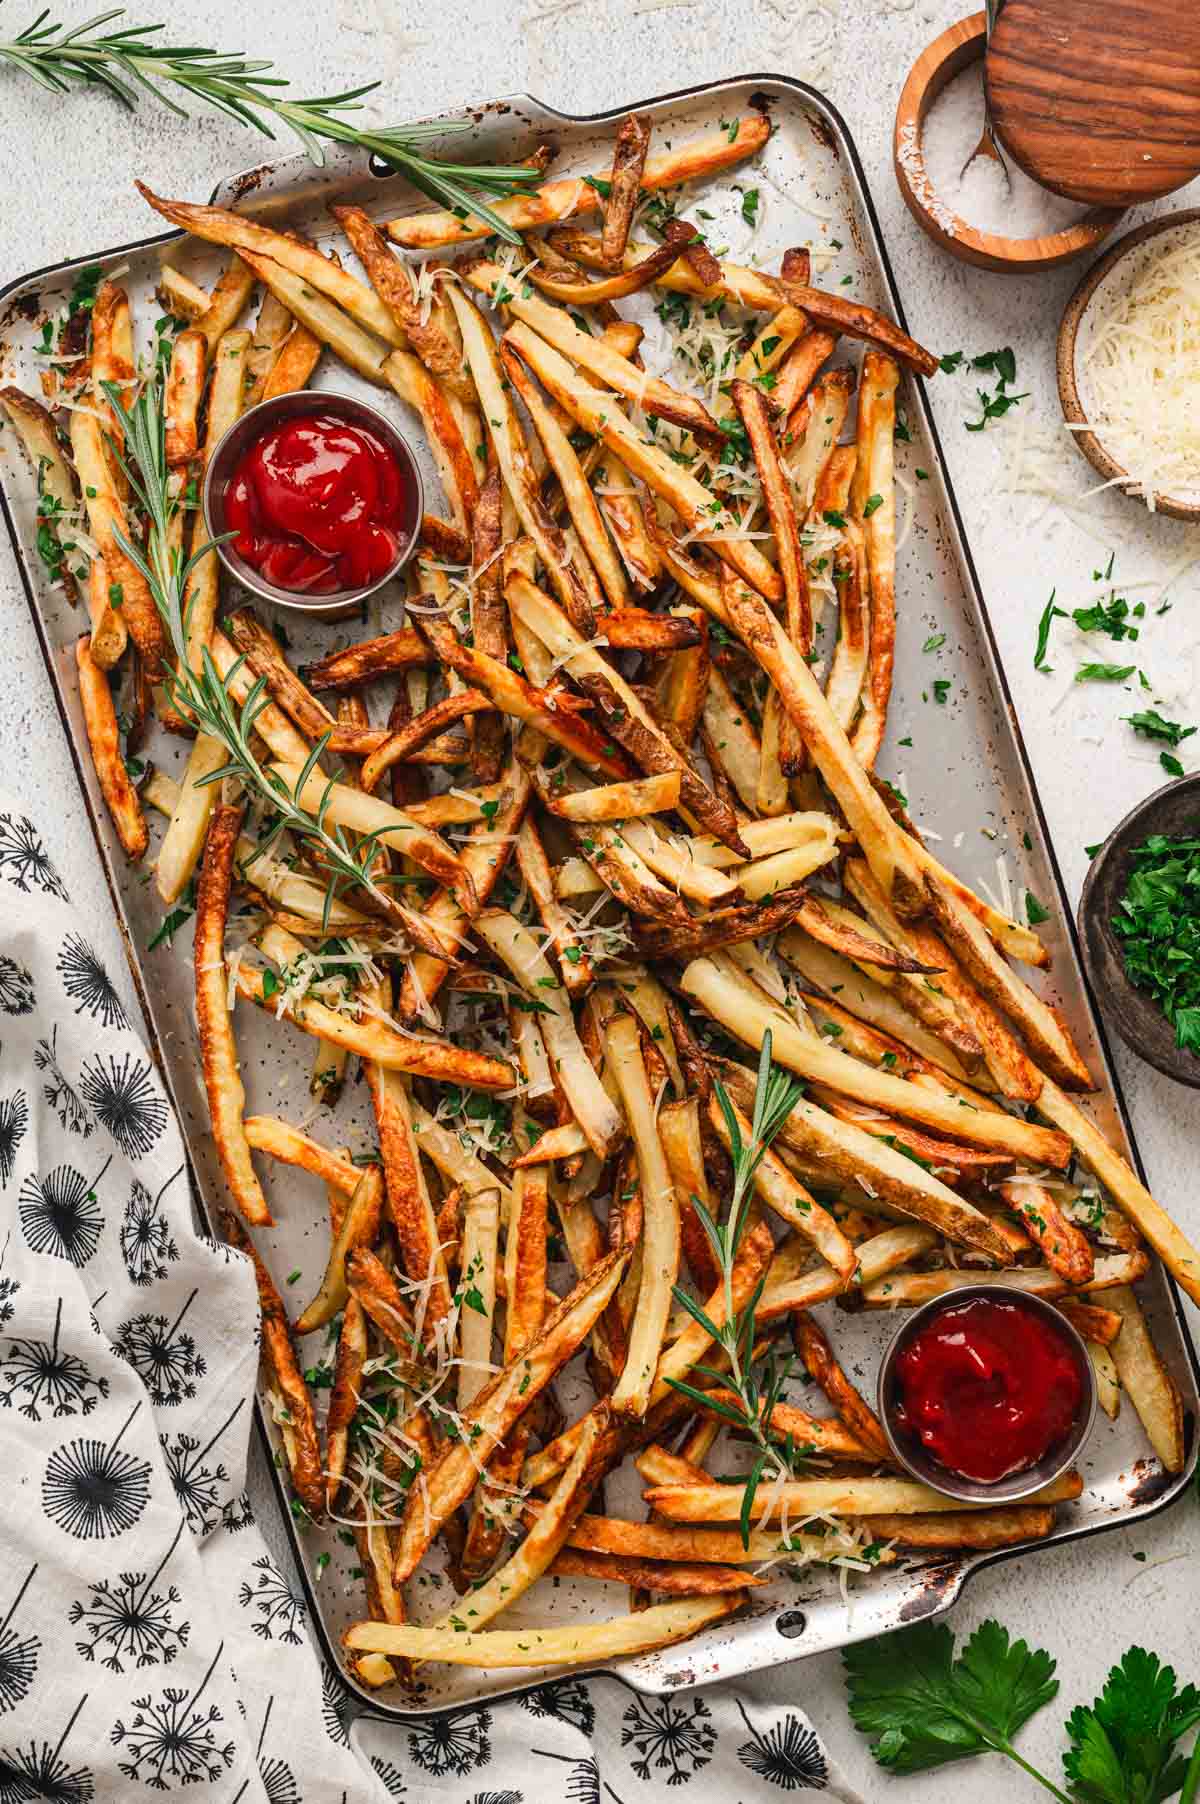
974	214
1129	365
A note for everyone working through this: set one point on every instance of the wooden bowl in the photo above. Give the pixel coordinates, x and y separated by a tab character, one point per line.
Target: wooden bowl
1174	811
1073	320
946	57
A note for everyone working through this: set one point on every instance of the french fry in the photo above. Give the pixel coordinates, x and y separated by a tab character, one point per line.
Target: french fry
660	1576
225	401
774	341
358	1228
512	453
799	368
179	295
1170	1243
788	1198
629	162
620	801
271	328
688	162
409	1207
805	1498
322	319
298	1426
429	337
402	745
1093	1321
498	1407
573	961
876	506
40	442
679	1131
913	1288
445	1153
976	1530
582	1644
456	463
480	1238
280	1140
681	1544
517	949
808	1434
853	320
375	1289
813	1346
743	287
594	410
660	1255
233	289
621	503
297	359
361	813
185	391
369	659
1064	1246
344	1396
112	364
104	741
108	522
1145	1380
1108	1382
183	841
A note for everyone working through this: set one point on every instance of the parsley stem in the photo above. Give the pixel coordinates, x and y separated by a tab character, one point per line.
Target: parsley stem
1191	1779
1006	1747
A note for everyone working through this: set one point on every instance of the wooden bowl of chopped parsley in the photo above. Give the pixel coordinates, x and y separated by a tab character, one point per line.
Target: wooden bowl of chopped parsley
1139	924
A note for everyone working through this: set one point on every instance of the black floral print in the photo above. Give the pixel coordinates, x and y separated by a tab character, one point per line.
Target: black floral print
14	1119
338	1708
59	1092
24	860
48	1376
196	1484
164	1359
40	1771
93	1490
16	988
788	1755
125	1099
669	1735
18	1653
174	1736
127	1621
60	1214
566	1700
452	1744
88	984
278	1610
147	1244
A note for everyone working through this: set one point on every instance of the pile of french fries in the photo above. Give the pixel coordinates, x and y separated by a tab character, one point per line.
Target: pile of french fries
638	832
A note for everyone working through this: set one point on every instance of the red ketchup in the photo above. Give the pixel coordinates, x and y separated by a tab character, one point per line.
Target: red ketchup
317	505
987	1388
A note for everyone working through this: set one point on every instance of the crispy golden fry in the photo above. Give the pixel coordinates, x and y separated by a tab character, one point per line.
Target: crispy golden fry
498	1407
594	410
457	465
372	1285
516	465
1093	1321
185	391
642	735
710	981
484	857
1065	1247
913	1288
399	746
540	708
56	491
688	162
660	1242
104	742
751	1260
369	659
428	337
788	1198
489	619
1041	1027
874	502
744	287
799	368
322	319
564	461
108	522
183	841
976	1530
573	961
233	289
661	1576
1108	1382
887	850
775	339
1146	1381
677	1543
179	295
352	808
226	398
480	1240
620	801
854	320
409	1207
622	504
298	358
813	1346
517	949
264	656
1019	942
112	363
297	1423
808	1434
359	1227
805	1498
679	1131
595	355
271	328
624	187
343	1396
286	1143
580	1645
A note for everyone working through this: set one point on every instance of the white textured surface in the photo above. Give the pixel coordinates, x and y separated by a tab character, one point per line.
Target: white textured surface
67	171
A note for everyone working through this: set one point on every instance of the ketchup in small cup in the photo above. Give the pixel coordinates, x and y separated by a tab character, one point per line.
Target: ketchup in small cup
984	1388
320	495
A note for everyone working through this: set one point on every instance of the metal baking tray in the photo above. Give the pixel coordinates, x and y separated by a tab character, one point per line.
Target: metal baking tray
966	769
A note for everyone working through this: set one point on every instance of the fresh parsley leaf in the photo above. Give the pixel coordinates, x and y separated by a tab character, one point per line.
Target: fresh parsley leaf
922	1707
750	206
870	504
934	642
941	689
1149	724
1110	617
1049	615
950	362
1104	673
1000	363
1122	1748
1034	912
1158	925
1170	764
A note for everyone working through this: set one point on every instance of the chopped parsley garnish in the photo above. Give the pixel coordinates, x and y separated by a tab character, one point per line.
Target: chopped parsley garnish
1149	724
870	504
1158	925
750	206
934	642
1104	673
1034	912
1049	614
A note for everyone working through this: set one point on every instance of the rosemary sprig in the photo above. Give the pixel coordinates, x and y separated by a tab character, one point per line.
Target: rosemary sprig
204	694
128	62
757	1384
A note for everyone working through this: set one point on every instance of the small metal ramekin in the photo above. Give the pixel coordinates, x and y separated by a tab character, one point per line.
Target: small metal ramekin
921	1464
252	425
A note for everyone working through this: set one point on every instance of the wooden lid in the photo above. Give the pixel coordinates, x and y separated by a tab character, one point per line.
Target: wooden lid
1099	102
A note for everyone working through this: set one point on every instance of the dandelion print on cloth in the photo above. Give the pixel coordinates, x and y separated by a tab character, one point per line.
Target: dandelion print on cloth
151	1641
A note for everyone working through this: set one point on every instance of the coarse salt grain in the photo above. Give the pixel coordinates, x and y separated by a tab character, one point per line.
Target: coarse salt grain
979	195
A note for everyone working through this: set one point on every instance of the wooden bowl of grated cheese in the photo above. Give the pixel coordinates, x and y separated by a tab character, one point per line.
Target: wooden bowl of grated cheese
1129	365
